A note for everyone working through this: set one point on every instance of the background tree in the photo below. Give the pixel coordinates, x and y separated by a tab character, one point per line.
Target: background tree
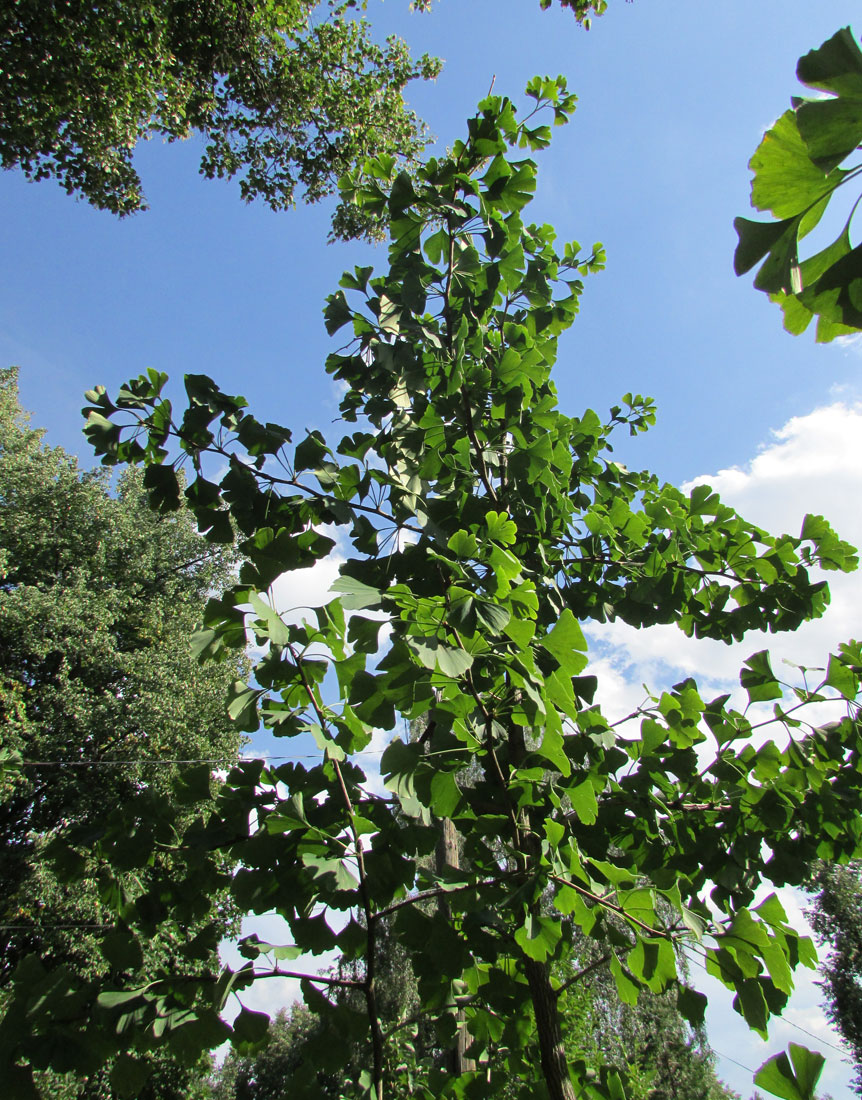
583	10
99	695
270	1074
286	95
665	1058
836	917
285	99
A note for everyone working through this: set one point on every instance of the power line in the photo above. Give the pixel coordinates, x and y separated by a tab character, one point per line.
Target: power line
729	1059
805	1031
824	1042
783	1020
126	763
222	762
77	925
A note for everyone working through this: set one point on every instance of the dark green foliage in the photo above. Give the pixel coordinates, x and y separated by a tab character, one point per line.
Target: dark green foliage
271	1073
164	1079
487	525
663	1058
285	99
792	1075
98	598
583	10
836	917
798	167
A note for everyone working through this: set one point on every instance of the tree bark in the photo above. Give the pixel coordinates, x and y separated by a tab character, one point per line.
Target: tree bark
555	1067
552	1052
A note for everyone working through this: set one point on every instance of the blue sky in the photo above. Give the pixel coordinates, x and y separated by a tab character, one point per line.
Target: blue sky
674	97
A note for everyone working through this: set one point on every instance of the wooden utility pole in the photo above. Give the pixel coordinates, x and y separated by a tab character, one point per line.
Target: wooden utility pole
456	1059
447	857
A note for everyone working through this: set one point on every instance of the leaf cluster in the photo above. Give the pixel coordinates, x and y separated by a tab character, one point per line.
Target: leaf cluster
798	167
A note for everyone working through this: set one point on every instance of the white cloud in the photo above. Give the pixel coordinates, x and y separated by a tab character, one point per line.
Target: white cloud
808	466
852	344
270	994
812	464
294	594
370	760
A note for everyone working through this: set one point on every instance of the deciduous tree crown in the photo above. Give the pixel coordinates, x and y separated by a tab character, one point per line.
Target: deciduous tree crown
486	526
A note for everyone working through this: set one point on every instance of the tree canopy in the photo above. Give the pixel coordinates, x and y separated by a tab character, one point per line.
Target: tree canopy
287	95
836	917
486	525
284	99
583	10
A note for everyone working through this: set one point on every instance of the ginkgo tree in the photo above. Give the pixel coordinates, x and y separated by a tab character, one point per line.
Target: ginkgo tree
481	527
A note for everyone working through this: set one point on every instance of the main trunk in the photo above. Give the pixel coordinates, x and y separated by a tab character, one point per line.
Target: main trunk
555	1067
552	1052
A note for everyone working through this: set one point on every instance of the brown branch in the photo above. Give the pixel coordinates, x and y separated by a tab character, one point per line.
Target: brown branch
583	973
602	900
504	786
435	892
456	1002
294	483
631	563
468	414
477	448
277	973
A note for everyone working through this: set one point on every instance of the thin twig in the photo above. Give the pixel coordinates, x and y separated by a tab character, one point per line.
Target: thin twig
435	892
583	973
277	973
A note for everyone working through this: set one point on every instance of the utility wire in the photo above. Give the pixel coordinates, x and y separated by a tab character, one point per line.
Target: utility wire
55	927
729	1059
805	1031
160	760
784	1020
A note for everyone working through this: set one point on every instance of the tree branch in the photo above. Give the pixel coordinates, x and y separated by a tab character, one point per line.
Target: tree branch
583	973
436	892
277	973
